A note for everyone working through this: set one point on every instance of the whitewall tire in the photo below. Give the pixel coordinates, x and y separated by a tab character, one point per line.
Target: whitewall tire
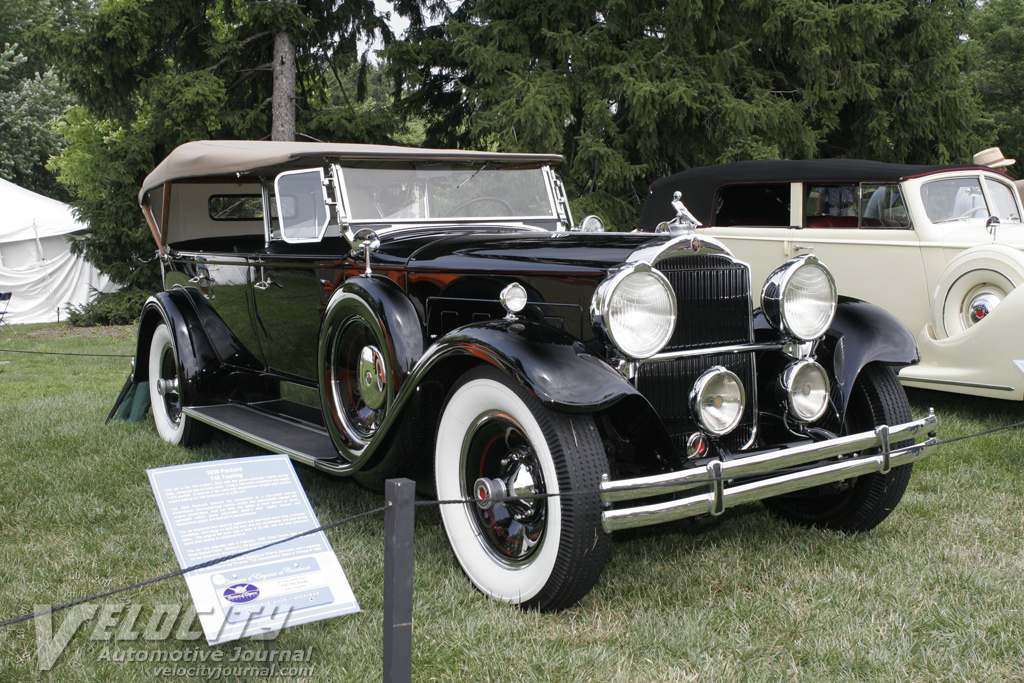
165	393
544	552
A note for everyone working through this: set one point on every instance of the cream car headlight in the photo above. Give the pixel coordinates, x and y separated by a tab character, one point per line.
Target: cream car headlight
717	400
636	310
806	387
799	299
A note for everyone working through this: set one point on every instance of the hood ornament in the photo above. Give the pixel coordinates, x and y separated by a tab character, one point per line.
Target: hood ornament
685	223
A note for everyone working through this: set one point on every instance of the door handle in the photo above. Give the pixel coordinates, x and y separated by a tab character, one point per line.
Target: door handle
803	247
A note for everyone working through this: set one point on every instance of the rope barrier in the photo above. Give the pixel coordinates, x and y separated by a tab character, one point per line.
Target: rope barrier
55	353
331	525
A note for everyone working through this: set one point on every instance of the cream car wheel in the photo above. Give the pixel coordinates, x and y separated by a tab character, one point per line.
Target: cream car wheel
498	445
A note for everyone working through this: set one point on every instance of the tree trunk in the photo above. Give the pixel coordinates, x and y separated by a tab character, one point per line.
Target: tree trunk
282	126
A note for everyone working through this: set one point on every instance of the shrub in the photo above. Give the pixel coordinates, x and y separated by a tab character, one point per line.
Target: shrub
109	308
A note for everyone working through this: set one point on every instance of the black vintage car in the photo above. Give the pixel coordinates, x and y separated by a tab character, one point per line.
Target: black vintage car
381	311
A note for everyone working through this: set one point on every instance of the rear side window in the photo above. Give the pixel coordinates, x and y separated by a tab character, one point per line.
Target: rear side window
882	206
861	205
236	207
762	204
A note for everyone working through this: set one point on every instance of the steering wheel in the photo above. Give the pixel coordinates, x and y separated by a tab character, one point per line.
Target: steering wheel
474	200
973	210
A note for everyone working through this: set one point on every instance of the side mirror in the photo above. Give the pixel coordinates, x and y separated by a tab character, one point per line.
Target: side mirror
365	241
991	225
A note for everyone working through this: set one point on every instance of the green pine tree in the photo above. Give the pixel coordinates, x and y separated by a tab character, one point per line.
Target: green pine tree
632	90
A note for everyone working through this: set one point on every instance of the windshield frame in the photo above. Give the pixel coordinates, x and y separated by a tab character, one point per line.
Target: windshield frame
363	189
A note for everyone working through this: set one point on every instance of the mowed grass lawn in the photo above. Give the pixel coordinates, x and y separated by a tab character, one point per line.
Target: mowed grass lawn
936	593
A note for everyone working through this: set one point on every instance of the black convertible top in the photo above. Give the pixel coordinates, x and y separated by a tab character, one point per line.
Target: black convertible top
699	186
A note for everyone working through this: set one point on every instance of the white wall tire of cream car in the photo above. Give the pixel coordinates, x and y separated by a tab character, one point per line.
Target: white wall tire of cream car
173	426
543	552
977	280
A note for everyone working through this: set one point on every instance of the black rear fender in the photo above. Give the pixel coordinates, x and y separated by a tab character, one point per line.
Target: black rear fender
207	350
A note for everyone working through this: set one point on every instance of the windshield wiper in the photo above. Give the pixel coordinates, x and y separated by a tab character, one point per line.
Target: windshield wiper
472	176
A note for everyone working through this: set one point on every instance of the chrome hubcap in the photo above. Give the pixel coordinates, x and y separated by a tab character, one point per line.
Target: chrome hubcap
503	476
980	306
372	377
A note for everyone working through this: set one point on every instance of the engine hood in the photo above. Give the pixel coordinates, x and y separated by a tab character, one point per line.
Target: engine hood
526	252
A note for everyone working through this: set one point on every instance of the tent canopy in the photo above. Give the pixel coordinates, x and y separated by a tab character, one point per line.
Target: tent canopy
35	262
28	215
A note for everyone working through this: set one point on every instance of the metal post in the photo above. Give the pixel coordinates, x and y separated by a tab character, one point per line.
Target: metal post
398	529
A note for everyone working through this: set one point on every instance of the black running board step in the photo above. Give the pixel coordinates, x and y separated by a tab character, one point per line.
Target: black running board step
303	442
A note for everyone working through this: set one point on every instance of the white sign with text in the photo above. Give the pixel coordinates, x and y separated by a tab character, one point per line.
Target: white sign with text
220	508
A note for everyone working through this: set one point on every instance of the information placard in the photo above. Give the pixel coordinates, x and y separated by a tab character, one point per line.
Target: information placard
219	508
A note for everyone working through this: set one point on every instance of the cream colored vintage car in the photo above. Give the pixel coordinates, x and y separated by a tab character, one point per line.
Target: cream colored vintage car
940	247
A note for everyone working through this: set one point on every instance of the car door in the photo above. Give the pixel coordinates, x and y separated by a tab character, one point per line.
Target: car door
288	301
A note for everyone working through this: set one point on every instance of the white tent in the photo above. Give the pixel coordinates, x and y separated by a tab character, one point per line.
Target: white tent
35	262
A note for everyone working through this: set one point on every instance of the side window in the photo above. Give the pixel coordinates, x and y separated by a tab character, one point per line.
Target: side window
1002	196
883	207
301	201
236	207
831	206
762	205
951	199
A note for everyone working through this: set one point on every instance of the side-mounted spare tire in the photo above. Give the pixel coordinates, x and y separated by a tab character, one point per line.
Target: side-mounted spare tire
972	285
520	543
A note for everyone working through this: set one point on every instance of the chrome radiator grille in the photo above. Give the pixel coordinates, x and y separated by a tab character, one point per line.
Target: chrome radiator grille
667	386
713	298
714	306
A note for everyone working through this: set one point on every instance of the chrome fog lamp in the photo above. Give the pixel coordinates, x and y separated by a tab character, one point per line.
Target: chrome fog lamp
717	400
799	299
635	309
806	387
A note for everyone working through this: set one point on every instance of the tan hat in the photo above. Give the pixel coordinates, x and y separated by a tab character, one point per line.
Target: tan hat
993	158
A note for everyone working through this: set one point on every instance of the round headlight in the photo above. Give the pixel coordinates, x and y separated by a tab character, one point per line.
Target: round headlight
717	400
799	299
806	386
636	310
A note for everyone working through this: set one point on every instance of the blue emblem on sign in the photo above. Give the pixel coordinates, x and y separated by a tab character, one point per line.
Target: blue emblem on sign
241	592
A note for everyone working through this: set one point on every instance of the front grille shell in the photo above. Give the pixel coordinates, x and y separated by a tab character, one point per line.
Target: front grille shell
714	310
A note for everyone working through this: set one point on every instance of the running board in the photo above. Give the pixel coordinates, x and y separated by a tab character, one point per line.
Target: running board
306	443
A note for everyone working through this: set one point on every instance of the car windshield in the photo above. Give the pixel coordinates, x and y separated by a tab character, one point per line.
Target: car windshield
437	192
952	199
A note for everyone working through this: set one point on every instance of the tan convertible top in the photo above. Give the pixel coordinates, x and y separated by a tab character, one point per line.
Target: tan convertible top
228	157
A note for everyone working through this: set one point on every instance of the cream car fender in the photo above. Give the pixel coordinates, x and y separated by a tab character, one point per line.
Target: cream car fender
972	285
985	360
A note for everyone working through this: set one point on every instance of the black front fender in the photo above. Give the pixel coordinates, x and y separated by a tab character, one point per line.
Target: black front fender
549	363
863	333
206	350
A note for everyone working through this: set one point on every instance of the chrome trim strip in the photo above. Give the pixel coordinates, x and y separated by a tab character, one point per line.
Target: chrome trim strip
950	382
758	463
690	353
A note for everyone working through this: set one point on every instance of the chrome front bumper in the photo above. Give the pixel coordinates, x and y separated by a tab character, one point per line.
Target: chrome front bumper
724	491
